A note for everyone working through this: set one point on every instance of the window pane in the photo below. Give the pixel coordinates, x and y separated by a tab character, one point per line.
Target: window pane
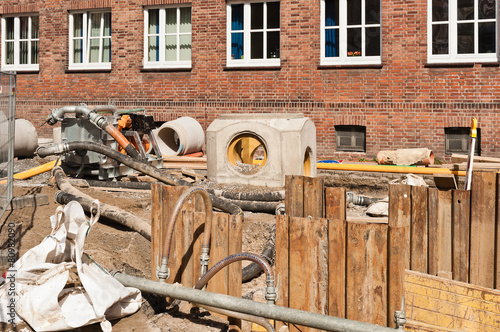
23	22
257	16
153	48
372	11
237	17
171	20
10	28
78	51
273	44
185	19
106	50
372	43
154	21
440	39
34	27
465	38
78	25
95	25
185	47
439	10
331	13
94	51
23	52
354	42
487	37
273	15
107	24
465	10
170	48
256	45
237	45
9	53
331	43
34	52
353	12
486	9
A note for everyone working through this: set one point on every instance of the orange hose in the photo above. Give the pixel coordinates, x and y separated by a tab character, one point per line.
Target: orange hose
117	135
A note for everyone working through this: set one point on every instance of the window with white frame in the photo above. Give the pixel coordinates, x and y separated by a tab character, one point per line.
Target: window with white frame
350	32
20	42
90	40
167	40
462	31
253	33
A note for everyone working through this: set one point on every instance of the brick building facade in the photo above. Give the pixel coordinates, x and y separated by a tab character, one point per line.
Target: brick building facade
405	100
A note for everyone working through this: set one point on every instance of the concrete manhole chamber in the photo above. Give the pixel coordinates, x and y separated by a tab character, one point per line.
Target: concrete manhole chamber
260	149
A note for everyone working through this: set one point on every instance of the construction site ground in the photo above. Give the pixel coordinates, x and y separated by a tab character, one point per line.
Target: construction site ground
115	247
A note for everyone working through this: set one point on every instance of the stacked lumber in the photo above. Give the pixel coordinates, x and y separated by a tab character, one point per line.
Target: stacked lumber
180	162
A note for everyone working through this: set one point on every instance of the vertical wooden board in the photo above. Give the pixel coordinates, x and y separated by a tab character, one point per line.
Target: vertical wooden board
335	210
366	273
432	215
482	243
317	260
219	251
399	246
497	222
461	234
234	272
199	228
156	217
281	262
313	197
419	235
185	271
298	282
444	236
294	191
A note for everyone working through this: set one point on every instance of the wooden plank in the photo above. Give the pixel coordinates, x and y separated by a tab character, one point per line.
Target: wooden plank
432	215
234	270
317	260
399	246
294	197
185	271
281	263
176	253
448	304
313	197
335	208
199	228
419	225
156	218
497	222
461	234
462	158
482	243
444	236
218	251
366	273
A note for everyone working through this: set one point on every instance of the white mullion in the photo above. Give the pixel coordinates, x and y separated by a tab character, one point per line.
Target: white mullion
453	29
178	32
264	32
101	37
162	35
87	37
29	40
246	32
343	30
17	44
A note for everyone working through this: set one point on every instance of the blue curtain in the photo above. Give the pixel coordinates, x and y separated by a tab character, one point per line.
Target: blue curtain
237	37
331	43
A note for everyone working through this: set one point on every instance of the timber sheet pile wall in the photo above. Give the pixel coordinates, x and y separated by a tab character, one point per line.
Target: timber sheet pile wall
356	270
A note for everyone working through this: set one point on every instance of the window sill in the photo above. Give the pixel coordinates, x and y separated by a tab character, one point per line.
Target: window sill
450	65
86	71
164	70
21	72
360	66
251	68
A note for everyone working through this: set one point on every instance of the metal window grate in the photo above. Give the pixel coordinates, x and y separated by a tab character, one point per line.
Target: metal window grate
350	138
457	140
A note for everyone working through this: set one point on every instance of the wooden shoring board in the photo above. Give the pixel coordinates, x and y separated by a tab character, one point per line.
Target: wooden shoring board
433	216
444	233
156	220
366	273
497	222
294	198
438	304
281	262
398	256
419	229
335	209
199	229
219	249
482	243
234	270
461	234
308	280
314	197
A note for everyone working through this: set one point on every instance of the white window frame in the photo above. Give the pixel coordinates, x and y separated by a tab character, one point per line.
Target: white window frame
343	59
246	61
163	63
17	26
86	64
452	22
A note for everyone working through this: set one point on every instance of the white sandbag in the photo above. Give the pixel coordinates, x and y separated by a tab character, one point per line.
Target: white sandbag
379	209
411	180
45	299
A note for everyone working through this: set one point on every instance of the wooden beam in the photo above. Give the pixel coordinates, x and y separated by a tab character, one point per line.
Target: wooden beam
281	263
419	225
294	200
313	197
461	234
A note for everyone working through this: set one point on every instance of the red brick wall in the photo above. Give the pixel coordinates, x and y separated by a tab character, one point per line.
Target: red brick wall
404	103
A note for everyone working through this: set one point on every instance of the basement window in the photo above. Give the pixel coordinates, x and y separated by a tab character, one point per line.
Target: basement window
350	138
457	140
20	42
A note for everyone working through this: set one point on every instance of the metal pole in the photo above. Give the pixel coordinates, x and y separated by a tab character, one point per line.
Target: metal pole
294	316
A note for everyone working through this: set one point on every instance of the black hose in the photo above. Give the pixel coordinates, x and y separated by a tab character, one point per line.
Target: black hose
268	252
266	196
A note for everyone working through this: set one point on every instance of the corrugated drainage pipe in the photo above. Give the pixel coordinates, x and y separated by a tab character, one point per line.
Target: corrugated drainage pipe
179	137
294	316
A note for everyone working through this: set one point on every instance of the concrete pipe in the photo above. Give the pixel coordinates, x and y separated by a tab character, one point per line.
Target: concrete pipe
26	139
419	156
179	137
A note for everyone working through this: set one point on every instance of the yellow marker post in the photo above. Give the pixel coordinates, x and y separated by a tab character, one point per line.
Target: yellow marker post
470	158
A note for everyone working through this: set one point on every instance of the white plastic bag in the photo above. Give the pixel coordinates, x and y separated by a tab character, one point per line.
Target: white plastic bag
45	299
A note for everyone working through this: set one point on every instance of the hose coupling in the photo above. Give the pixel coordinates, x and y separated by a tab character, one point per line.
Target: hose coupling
271	292
97	119
163	271
53	117
204	259
44	151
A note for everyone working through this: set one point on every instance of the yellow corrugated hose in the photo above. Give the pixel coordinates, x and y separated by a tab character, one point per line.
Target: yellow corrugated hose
34	171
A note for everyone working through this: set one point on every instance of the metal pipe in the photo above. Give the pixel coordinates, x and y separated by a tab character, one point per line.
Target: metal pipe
254	319
388	169
294	316
163	271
